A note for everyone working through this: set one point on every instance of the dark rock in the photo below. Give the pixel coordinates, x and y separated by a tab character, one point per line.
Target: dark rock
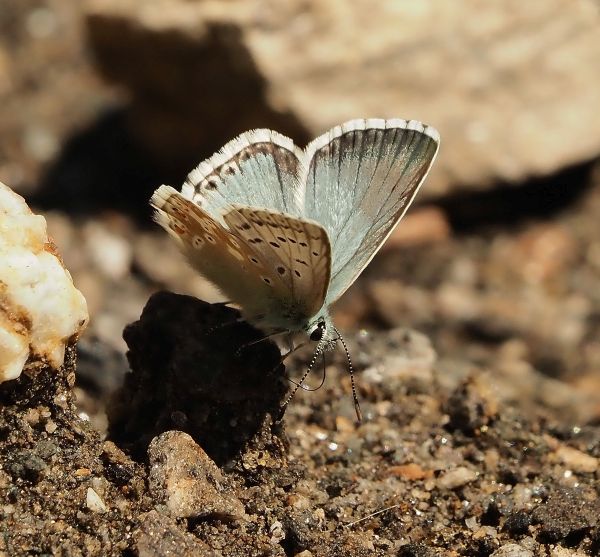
566	512
416	550
26	465
517	523
192	365
119	468
298	535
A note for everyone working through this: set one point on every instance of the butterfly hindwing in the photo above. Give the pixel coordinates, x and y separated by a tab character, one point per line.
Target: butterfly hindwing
360	179
297	250
259	168
233	266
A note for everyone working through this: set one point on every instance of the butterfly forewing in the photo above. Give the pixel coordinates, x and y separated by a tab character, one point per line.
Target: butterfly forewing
360	180
259	168
296	250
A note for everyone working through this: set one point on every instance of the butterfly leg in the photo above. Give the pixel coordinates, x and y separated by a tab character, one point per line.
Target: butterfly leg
257	341
312	389
223	325
291	348
298	385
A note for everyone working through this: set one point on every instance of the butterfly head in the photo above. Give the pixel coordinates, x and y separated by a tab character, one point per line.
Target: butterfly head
322	331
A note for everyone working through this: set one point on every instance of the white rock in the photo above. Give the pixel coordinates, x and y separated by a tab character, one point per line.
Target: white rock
40	309
94	502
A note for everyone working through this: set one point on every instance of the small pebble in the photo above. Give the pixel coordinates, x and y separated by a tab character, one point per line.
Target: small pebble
82	472
185	479
32	417
559	551
472	523
93	502
456	478
485	532
277	532
576	460
410	471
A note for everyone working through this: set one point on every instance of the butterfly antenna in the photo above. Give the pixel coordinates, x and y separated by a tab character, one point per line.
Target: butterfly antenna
351	371
313	389
317	353
324	373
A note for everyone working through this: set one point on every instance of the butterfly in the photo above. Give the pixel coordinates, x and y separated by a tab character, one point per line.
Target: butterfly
284	231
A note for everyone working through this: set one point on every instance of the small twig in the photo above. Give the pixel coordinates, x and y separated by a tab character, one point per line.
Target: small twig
371	515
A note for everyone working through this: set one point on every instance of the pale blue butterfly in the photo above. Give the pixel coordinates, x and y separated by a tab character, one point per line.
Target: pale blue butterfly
284	231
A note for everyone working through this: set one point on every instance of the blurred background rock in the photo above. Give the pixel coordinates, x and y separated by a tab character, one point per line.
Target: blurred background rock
499	261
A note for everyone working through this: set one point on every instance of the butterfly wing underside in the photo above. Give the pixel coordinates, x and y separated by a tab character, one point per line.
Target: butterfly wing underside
234	267
360	180
276	267
296	250
260	168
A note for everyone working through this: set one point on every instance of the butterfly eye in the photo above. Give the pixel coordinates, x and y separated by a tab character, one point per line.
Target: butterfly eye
317	334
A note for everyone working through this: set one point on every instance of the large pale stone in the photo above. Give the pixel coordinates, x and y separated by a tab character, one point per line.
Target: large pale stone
512	86
40	309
